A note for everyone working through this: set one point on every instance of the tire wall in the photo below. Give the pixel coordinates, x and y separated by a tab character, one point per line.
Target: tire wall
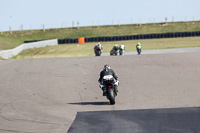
132	37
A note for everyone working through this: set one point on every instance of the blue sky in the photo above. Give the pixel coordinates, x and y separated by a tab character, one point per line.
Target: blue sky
32	14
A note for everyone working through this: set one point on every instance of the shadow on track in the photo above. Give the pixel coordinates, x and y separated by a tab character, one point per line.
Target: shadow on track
166	120
90	103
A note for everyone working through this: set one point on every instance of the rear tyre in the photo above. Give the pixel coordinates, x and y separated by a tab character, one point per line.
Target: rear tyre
120	52
139	51
111	96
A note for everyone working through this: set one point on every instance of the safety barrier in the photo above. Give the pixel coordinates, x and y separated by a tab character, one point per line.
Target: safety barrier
64	41
37	43
81	40
13	52
132	37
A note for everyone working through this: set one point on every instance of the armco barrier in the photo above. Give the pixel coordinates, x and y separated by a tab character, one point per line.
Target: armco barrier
132	37
13	52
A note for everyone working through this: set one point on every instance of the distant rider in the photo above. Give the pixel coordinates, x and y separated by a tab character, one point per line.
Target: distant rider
122	47
115	47
97	47
139	47
107	71
114	50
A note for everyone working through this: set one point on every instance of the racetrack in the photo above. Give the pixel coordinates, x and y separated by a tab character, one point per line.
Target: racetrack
44	95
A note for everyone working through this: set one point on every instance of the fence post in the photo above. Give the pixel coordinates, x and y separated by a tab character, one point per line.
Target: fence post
10	29
172	18
165	20
78	24
72	23
22	27
43	27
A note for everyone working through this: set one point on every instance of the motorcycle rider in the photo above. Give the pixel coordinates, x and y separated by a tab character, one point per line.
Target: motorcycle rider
107	71
96	47
122	47
114	50
115	47
139	47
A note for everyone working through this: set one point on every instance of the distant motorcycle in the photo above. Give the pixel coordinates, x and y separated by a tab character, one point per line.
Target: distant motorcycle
113	52
98	51
121	51
109	84
139	50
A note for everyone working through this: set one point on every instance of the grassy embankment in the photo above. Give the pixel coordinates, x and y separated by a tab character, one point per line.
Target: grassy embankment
8	41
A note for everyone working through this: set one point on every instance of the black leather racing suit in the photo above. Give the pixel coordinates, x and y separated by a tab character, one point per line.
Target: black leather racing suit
107	72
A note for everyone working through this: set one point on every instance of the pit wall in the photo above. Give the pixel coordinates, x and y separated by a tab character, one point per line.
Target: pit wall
6	54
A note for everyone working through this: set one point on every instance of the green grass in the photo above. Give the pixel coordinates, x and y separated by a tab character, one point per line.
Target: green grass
78	50
8	40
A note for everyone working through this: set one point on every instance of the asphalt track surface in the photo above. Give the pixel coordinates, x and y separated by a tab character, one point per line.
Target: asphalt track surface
44	95
170	120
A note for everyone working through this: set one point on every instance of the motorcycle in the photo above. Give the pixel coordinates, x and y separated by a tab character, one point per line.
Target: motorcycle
109	84
113	52
121	51
98	51
139	50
